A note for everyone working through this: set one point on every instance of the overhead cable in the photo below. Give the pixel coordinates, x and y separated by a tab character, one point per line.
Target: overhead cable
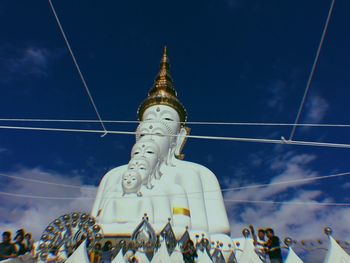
295	181
288	182
222	138
308	84
309	203
78	68
188	122
44	182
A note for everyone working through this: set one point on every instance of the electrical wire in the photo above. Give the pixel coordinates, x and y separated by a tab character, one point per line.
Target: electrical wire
43	182
312	70
295	181
222	138
187	194
314	203
189	122
301	180
78	68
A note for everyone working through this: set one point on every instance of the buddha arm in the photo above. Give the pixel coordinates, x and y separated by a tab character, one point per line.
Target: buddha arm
181	214
214	203
109	179
191	183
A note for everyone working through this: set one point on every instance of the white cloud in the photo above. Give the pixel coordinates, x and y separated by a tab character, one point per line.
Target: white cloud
35	214
316	109
31	61
26	61
233	3
346	185
297	221
3	150
277	90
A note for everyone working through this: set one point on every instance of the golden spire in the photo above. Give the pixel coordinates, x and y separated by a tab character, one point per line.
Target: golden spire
163	81
163	91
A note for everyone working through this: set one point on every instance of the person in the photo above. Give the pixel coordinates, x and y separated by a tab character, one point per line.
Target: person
28	242
260	244
106	256
21	249
7	249
273	248
189	252
95	256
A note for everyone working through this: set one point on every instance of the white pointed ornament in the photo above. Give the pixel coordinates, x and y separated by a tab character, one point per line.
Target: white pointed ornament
80	255
119	258
249	254
161	256
203	257
176	256
141	257
292	257
336	253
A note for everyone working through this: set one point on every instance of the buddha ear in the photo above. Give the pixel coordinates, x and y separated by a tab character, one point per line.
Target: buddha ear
181	141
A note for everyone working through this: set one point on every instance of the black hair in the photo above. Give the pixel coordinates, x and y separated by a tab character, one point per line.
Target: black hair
7	234
261	231
269	230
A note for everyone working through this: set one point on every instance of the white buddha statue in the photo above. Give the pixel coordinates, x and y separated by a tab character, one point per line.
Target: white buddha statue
194	194
128	197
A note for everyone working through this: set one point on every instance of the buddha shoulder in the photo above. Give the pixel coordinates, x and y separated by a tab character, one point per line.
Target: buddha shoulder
114	174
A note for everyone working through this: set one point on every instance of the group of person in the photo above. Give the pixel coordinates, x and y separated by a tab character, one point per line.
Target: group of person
266	242
268	245
21	244
107	252
103	254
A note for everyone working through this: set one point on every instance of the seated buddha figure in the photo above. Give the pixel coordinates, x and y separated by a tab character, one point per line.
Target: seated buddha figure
119	191
162	119
126	198
129	205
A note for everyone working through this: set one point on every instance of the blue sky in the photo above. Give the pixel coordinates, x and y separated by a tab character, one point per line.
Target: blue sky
231	60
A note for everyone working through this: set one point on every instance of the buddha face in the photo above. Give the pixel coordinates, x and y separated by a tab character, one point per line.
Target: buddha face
146	149
141	166
156	132
164	114
131	182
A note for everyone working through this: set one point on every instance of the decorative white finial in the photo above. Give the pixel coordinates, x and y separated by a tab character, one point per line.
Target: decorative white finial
288	241
328	231
245	232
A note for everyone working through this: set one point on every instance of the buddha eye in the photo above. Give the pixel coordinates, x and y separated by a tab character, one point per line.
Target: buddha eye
131	168
136	153
168	119
134	179
142	168
150	152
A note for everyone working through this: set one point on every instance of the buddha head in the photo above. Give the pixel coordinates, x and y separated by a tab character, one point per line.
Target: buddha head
131	183
158	133
146	170
162	106
148	151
